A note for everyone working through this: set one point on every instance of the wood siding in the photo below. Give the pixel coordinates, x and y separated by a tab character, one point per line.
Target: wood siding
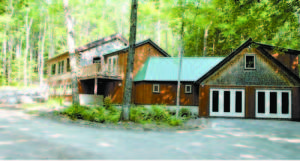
141	54
265	72
288	60
167	95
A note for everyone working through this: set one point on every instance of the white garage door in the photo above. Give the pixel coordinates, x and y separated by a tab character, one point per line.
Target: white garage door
227	102
273	103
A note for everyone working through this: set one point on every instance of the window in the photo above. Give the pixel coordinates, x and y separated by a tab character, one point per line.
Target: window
68	65
285	103
238	101
62	67
59	66
155	88
273	102
249	62
96	60
188	88
53	68
215	101
226	101
261	102
112	64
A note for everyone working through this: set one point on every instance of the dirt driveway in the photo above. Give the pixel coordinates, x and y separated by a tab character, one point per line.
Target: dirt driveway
24	136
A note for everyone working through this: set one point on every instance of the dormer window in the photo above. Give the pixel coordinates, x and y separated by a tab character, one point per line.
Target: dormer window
249	61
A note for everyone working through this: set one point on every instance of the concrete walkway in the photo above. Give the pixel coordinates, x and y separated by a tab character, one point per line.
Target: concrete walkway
24	136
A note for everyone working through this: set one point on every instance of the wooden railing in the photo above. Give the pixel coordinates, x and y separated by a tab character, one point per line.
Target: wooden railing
93	69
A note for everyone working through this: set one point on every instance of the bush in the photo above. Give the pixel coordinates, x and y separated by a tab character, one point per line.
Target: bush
74	112
107	103
185	112
173	121
159	113
112	117
139	114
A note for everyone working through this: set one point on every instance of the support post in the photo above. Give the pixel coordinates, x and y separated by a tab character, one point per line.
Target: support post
96	86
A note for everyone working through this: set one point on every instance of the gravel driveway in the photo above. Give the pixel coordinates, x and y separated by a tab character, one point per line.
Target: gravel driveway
24	136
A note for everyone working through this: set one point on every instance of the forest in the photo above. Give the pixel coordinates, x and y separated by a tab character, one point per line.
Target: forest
32	31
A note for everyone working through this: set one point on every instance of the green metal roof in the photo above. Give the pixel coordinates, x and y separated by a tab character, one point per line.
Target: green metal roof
166	68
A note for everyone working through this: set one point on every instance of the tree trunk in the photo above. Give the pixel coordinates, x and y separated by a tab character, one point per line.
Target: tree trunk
130	60
205	39
42	57
28	26
73	61
181	53
9	69
4	58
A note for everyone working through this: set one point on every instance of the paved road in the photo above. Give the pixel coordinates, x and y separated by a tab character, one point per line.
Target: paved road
24	136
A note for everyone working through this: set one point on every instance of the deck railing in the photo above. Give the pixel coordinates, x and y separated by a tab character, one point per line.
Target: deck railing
97	69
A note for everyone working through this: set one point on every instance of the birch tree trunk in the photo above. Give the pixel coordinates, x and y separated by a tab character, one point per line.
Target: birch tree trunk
130	60
181	53
5	45
42	57
4	58
10	48
205	39
28	26
73	61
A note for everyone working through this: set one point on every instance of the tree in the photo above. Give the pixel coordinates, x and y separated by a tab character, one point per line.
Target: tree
130	60
71	45
181	54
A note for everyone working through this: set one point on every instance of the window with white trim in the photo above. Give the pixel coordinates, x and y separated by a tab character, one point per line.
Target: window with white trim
112	64
188	89
155	88
249	61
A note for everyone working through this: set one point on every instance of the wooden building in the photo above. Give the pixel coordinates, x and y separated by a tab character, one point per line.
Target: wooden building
101	68
254	81
156	82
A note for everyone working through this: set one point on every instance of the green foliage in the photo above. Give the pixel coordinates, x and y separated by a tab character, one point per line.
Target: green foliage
159	113
156	114
185	112
95	114
228	23
107	103
173	121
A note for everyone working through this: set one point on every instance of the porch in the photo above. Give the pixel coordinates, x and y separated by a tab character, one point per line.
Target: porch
93	91
98	70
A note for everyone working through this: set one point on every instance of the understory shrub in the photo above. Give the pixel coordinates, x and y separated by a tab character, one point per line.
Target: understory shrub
185	112
96	114
157	114
138	114
173	121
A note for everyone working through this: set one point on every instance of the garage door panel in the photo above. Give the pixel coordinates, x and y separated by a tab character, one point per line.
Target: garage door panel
227	102
273	103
